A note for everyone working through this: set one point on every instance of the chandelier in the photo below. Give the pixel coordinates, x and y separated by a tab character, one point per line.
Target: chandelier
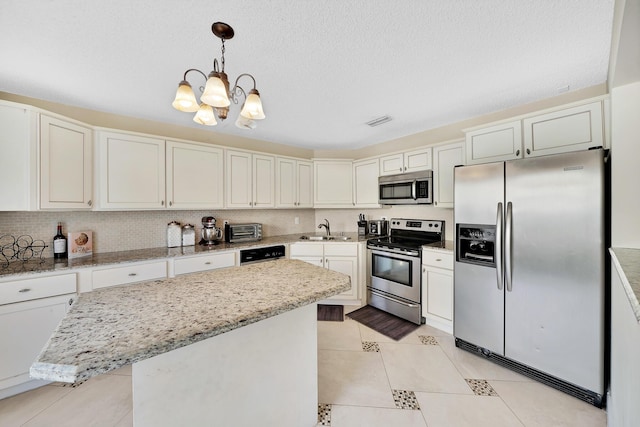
216	96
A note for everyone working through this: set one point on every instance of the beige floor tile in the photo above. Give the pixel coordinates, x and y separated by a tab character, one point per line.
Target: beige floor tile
537	405
359	416
101	401
339	336
421	368
17	410
353	378
475	367
369	334
447	410
126	421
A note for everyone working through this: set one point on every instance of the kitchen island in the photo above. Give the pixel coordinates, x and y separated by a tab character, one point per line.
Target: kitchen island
235	346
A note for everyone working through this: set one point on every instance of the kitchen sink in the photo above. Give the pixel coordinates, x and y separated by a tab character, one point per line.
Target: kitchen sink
318	238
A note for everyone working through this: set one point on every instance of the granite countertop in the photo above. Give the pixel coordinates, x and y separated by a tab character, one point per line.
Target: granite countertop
113	327
108	258
627	262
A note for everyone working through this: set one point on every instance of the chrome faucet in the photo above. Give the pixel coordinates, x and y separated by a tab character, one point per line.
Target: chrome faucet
326	226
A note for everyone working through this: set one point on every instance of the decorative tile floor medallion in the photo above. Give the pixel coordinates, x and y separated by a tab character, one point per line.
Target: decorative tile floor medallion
428	340
324	414
481	387
370	346
405	399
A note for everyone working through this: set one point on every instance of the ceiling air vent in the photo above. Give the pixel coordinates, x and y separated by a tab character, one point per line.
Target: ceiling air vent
379	121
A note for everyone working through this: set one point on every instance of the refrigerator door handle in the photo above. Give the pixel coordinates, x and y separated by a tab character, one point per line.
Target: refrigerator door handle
498	247
507	246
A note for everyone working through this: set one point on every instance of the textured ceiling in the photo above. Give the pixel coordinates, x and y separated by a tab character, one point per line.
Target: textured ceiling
323	68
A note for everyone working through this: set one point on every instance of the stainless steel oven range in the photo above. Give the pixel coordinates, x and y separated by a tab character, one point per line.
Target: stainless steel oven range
395	279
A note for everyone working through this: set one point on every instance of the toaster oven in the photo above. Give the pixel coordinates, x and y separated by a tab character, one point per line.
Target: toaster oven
234	233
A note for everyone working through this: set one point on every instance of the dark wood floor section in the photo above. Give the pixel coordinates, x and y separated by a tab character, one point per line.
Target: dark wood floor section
383	322
331	313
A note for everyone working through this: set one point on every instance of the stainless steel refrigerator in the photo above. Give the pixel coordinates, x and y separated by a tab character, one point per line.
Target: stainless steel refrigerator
529	277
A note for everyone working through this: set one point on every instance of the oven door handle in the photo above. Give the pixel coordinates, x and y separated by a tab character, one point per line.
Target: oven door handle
373	291
387	251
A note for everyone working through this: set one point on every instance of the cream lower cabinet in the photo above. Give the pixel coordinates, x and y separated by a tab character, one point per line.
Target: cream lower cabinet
185	265
340	257
437	289
294	183
445	158
250	180
131	171
194	176
129	273
66	165
30	310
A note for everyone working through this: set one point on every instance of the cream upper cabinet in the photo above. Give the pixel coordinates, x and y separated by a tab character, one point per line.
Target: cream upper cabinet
250	180
495	143
195	176
572	129
445	158
18	157
333	183
294	183
410	161
131	171
66	165
365	183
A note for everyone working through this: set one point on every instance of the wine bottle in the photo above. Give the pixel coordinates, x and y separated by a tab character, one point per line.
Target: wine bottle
59	244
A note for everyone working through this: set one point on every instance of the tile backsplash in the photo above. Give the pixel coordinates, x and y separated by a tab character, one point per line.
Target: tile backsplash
128	230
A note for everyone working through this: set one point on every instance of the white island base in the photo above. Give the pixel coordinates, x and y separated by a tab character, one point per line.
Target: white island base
265	373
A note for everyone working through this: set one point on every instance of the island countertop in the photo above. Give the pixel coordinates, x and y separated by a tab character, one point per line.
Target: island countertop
113	327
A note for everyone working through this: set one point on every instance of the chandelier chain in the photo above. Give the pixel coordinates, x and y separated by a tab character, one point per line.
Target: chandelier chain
222	59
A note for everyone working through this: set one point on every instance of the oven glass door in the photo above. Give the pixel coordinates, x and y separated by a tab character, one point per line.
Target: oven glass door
396	274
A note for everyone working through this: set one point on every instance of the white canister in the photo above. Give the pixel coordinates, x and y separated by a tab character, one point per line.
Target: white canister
188	235
174	234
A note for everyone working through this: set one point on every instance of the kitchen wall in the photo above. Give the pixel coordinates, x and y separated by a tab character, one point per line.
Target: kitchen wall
128	230
347	219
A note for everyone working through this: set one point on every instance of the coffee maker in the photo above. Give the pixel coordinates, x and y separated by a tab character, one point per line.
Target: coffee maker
210	233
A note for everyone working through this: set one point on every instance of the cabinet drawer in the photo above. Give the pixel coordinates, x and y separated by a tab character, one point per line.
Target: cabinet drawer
341	249
306	249
203	263
40	287
129	274
437	259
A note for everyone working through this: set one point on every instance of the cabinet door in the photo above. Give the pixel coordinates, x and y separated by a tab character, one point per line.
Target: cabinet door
439	292
18	157
132	172
25	328
264	183
446	157
391	164
195	175
286	183
365	183
66	165
495	143
238	180
417	160
333	183
348	266
305	184
573	129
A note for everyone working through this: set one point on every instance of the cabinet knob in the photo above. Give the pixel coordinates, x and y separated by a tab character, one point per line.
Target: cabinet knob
162	203
170	203
528	151
89	203
517	152
70	301
435	203
207	263
23	290
438	259
405	168
133	274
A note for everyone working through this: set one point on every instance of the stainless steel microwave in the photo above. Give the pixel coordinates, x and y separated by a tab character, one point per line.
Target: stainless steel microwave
413	188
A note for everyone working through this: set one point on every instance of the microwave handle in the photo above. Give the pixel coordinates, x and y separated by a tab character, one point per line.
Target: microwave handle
414	191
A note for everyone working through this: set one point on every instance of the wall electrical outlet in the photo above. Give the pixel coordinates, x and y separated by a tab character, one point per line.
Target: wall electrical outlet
296	220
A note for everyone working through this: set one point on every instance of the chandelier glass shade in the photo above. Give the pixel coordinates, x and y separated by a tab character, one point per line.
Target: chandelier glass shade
216	95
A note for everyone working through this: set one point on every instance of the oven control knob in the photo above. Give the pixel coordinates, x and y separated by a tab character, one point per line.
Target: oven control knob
430	225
